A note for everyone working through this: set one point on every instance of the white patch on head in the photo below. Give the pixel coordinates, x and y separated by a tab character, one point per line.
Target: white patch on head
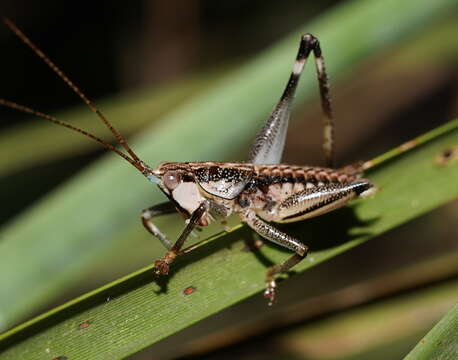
188	196
298	66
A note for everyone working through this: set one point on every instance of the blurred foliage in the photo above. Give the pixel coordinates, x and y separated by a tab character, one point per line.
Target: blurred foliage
357	320
441	341
131	313
381	330
50	264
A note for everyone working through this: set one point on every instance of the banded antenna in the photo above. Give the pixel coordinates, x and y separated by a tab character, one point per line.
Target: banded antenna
132	159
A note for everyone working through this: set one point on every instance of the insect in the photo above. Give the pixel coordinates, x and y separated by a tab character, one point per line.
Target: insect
262	191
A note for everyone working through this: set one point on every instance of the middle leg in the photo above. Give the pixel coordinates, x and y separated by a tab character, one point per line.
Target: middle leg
157	210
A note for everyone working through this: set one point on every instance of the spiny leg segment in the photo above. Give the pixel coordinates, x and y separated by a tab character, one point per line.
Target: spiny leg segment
269	143
328	123
271	233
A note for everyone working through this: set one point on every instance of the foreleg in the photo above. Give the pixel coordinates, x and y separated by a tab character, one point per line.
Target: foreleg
162	265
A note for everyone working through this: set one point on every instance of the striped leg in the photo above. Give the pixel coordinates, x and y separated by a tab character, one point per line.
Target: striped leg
323	84
161	266
269	232
153	211
269	143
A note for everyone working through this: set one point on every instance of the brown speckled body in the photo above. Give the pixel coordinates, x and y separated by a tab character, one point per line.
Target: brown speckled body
272	191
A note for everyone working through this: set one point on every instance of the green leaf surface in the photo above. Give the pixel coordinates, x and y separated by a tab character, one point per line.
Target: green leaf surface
138	310
309	299
441	342
51	245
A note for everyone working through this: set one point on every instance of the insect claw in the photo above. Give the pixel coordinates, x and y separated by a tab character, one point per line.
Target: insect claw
161	267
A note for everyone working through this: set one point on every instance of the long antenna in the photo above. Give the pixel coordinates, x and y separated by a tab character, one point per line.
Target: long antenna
83	97
27	110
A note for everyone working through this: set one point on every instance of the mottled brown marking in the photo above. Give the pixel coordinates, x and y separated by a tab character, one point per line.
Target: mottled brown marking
189	290
84	325
447	156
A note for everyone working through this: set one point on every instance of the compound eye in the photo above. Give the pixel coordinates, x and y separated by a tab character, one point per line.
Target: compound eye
171	179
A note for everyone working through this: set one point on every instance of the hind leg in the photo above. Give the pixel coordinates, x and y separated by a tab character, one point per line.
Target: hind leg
271	233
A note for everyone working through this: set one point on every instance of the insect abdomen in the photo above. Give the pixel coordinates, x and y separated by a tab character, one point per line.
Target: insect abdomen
287	193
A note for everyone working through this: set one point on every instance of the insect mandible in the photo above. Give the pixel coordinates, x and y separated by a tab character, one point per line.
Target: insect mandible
261	191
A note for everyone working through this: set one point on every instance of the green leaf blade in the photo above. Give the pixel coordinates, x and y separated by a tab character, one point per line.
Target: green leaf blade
440	342
137	311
